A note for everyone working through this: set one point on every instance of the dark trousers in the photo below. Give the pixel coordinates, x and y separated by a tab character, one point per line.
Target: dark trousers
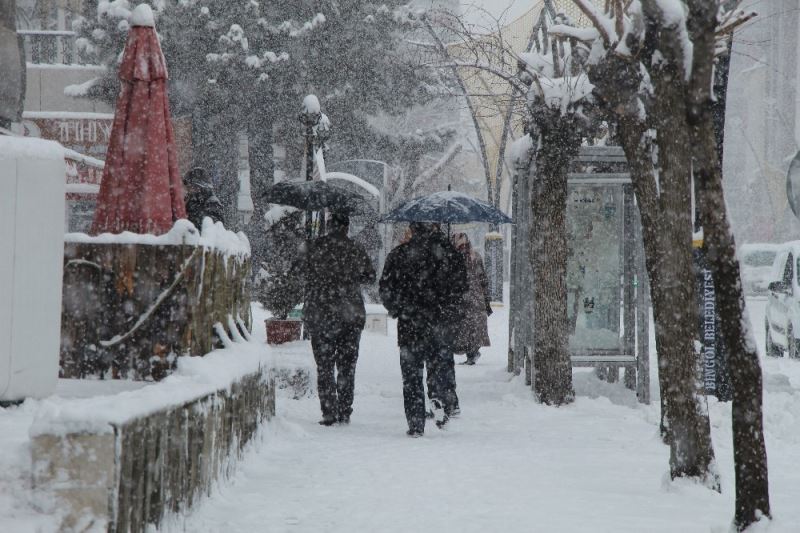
336	353
437	359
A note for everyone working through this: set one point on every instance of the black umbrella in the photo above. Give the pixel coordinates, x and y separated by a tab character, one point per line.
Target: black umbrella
447	207
315	195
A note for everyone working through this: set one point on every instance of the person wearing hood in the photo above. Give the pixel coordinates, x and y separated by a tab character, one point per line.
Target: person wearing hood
200	198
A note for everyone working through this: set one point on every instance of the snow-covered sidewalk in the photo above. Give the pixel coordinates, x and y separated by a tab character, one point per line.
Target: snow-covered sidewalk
507	464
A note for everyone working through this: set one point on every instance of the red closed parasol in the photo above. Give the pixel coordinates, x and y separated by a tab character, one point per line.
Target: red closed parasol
141	190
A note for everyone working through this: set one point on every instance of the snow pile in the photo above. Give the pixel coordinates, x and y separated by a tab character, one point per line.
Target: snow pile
520	149
370	188
81	89
311	104
559	93
214	236
74	115
29	148
143	16
277	213
194	378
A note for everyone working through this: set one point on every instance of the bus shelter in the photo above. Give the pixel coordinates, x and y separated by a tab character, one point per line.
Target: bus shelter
607	293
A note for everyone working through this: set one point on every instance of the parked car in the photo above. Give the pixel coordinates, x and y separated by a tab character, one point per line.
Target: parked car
756	261
782	318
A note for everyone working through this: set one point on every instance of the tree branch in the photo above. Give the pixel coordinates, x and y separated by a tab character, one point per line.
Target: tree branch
596	19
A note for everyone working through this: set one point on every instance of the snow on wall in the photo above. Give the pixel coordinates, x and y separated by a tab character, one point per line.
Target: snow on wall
29	148
213	235
194	378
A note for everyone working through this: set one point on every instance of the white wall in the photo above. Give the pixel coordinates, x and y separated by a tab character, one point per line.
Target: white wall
31	257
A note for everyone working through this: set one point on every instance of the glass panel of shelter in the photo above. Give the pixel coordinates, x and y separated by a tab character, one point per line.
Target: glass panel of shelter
604	243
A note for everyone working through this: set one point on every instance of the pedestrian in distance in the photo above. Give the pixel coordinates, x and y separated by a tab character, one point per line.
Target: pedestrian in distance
473	331
200	198
336	268
422	285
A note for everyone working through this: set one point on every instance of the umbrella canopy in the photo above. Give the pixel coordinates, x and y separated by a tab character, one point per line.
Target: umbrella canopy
315	195
447	207
141	189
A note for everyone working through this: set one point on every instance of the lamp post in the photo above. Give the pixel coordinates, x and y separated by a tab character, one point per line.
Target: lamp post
310	117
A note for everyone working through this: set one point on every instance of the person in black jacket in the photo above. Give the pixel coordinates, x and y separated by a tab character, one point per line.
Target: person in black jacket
422	285
200	198
334	314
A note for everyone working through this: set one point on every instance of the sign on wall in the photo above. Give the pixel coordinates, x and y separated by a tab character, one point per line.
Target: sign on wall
87	134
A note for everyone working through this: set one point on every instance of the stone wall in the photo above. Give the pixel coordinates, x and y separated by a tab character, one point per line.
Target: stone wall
129	310
126	476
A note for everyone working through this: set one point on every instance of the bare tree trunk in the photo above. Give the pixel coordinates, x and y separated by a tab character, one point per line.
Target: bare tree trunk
749	451
552	382
638	152
689	432
667	231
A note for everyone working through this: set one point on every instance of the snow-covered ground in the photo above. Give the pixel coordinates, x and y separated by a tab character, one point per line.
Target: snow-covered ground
507	464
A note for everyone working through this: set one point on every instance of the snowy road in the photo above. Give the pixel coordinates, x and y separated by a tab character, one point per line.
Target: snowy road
507	464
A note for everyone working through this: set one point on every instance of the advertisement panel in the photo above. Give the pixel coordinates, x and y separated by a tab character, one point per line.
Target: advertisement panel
594	268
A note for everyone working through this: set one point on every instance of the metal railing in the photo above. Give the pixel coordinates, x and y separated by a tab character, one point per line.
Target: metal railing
50	47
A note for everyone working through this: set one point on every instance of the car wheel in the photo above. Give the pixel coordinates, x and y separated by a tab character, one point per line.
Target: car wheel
771	348
791	345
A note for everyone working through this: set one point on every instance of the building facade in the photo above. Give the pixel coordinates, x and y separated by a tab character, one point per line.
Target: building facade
762	123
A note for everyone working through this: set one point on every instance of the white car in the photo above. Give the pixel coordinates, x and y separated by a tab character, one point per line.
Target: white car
755	260
782	321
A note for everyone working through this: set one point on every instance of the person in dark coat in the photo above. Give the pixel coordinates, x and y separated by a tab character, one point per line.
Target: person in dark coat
422	285
334	314
200	198
473	331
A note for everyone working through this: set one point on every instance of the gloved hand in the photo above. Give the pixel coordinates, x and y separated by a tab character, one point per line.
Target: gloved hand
489	310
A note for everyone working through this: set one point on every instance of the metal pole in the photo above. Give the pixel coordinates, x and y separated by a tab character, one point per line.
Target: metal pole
309	167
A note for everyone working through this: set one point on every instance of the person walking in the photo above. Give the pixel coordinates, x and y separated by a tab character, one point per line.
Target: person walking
473	331
422	285
200	199
334	314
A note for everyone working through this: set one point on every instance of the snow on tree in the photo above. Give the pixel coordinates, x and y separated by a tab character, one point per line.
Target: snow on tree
652	65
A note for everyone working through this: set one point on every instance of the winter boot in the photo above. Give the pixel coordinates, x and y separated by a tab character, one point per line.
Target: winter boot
438	413
327	421
414	433
472	358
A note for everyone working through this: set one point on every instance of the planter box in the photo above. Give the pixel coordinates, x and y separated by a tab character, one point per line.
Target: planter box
281	331
132	304
377	319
